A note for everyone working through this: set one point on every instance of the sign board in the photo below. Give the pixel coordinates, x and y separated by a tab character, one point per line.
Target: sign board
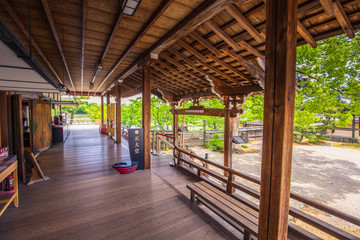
4	153
136	146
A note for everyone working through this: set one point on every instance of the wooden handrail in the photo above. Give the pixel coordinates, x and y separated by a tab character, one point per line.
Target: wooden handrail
168	143
256	194
202	159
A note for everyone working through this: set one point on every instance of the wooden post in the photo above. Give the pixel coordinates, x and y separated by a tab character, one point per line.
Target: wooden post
280	84
108	113
4	121
19	134
158	144
118	113
228	141
353	131
183	132
204	133
102	110
176	132
146	114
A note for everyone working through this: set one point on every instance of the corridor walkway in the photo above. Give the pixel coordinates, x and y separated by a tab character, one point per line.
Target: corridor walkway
86	199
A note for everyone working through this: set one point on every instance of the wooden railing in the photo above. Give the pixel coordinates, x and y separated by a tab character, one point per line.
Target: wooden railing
184	157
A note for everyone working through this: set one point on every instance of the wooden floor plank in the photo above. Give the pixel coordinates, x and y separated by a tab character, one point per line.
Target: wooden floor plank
86	199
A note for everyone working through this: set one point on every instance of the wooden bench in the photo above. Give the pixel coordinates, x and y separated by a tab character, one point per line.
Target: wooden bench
236	213
239	212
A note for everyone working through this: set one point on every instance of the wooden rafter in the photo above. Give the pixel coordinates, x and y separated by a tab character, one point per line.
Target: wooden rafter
251	49
231	68
57	39
197	17
248	65
108	43
173	61
343	19
23	29
328	7
156	15
165	80
83	35
222	34
242	20
191	50
304	33
176	77
219	72
205	43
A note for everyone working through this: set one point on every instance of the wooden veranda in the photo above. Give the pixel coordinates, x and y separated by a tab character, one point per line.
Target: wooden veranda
176	50
86	199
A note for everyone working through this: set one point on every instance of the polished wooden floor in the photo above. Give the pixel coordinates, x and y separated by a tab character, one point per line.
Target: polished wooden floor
86	199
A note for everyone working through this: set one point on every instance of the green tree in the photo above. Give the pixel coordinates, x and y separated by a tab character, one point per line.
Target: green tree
330	91
254	109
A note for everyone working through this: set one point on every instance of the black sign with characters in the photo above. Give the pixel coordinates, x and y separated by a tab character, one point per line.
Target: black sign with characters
136	146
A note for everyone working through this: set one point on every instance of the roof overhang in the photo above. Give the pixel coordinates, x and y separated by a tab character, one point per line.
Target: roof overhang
19	71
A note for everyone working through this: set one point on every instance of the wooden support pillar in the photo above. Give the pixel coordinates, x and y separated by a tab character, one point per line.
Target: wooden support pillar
280	84
18	134
108	112
204	133
4	139
176	132
228	126
102	109
146	114
118	113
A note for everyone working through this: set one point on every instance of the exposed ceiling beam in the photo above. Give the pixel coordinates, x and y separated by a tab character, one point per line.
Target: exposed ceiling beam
57	39
108	43
343	19
207	10
242	20
304	33
174	72
248	65
205	43
222	34
83	35
156	15
191	50
23	29
328	7
231	68
251	49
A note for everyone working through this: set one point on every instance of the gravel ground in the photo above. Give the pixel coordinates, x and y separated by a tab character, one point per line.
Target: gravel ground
326	174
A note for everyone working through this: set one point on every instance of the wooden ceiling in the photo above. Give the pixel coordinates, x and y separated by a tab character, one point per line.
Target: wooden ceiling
193	38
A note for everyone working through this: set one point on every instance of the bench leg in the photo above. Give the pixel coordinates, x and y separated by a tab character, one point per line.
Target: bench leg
192	196
247	235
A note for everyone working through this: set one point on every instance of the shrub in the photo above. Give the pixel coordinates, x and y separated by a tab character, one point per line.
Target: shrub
216	143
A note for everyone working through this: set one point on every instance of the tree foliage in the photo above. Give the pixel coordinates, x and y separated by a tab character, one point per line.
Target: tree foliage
330	91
